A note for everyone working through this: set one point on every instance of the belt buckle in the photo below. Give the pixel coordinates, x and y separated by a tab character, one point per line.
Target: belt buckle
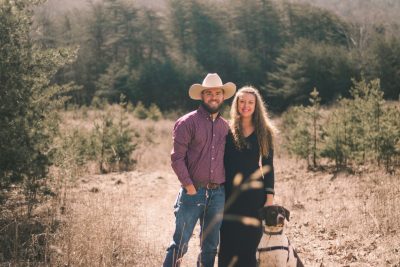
212	186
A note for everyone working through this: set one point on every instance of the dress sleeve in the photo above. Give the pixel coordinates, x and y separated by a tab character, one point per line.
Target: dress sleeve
228	157
269	177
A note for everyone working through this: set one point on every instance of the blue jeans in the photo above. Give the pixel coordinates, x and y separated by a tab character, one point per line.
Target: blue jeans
207	205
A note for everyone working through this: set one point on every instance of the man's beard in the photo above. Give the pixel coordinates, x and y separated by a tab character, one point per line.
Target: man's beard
210	109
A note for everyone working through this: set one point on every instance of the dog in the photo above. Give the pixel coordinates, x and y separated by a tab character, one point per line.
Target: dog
277	250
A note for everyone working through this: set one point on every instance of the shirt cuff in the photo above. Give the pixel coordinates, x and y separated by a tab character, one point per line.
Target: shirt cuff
186	182
269	191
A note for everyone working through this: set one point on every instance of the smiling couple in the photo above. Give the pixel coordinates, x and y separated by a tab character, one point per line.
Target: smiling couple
213	159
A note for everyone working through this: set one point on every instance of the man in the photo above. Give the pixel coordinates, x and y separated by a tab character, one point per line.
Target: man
197	159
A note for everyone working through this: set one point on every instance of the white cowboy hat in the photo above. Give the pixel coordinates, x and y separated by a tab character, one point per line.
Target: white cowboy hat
212	80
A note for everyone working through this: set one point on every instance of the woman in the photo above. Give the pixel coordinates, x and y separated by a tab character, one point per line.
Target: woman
250	139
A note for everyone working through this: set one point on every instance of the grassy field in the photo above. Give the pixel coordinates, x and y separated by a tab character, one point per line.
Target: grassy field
126	219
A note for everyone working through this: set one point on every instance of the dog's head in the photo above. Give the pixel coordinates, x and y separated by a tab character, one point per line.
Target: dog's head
274	215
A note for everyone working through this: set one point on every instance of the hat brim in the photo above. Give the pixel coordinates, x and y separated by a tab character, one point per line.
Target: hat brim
196	89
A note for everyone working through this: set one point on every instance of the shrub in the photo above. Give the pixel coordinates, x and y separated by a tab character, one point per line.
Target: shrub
335	132
154	112
296	132
362	129
140	111
115	141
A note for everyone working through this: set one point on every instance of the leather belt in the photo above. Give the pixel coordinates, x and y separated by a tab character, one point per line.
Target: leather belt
208	185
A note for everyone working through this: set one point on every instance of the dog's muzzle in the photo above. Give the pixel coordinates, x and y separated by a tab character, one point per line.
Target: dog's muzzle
280	220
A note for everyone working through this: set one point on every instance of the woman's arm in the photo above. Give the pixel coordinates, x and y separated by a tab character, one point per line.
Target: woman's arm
269	178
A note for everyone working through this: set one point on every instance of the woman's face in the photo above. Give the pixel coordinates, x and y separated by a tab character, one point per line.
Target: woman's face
246	105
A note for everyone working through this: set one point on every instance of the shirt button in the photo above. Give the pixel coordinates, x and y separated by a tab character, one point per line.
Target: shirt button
212	158
211	170
213	147
213	134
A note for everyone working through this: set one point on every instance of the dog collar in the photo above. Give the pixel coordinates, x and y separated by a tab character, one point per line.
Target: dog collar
273	233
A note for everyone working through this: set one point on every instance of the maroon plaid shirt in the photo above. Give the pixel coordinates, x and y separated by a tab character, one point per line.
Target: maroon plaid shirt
198	152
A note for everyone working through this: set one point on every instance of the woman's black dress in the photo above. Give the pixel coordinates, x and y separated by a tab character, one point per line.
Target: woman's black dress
238	239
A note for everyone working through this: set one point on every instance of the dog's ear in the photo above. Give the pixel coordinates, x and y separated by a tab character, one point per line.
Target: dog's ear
287	214
262	213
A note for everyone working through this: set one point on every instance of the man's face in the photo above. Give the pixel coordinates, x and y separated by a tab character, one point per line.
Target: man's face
212	99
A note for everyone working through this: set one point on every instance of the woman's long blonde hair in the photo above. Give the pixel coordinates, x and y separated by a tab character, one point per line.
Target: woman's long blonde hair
263	126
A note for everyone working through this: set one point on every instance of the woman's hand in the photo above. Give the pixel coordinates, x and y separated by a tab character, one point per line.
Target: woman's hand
270	200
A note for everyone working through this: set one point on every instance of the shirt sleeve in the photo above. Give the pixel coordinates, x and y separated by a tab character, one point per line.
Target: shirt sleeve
269	177
181	139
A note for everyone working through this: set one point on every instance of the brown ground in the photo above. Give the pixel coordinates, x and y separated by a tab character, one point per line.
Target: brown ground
343	220
126	219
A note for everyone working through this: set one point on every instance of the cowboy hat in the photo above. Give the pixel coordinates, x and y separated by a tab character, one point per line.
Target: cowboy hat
212	80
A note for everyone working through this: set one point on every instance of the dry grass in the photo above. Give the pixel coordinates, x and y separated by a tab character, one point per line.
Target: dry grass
342	219
108	223
346	221
156	135
126	219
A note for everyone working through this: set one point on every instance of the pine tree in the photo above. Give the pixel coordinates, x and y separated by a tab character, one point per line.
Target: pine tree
296	129
257	31
335	135
384	64
389	138
306	64
123	143
313	112
362	130
315	24
28	99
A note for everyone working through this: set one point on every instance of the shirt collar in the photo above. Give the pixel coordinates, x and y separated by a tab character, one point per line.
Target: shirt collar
206	114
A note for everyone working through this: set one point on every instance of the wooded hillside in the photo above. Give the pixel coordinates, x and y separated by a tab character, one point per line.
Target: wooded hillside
152	52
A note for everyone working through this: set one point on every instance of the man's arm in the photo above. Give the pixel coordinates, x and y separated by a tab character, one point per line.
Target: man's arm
182	136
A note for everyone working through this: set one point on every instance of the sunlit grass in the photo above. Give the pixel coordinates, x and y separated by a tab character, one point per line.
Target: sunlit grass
131	223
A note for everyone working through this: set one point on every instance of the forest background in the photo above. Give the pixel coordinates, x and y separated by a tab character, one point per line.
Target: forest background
151	52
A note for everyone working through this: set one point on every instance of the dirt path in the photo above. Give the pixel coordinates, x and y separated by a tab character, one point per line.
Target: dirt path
157	197
335	220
